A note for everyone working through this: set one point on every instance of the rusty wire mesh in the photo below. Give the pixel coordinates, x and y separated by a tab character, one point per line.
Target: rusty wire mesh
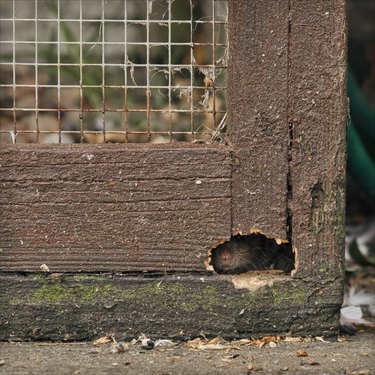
94	71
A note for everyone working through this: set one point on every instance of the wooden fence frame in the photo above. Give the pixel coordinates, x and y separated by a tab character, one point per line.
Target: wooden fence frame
161	208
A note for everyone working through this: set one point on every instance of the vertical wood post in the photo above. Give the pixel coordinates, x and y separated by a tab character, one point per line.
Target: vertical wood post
258	38
287	112
317	117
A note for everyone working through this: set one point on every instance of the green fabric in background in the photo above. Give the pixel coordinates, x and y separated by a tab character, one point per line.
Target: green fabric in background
361	138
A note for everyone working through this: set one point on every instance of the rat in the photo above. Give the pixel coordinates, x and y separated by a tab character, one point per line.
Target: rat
251	253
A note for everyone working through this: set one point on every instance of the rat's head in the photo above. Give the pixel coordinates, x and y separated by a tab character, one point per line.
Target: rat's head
252	252
232	257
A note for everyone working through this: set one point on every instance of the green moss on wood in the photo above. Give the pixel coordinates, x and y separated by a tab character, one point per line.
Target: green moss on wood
292	296
339	217
53	294
177	295
169	304
84	277
324	267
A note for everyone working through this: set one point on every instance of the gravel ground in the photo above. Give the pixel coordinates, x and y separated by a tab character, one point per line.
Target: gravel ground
353	355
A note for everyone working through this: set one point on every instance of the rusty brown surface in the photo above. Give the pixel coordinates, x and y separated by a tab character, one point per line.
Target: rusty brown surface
257	114
112	208
317	114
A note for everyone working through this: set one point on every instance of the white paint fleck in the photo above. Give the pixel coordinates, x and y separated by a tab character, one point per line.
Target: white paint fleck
88	156
198	182
44	268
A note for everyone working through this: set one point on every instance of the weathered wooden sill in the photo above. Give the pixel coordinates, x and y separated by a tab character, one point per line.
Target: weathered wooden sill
86	306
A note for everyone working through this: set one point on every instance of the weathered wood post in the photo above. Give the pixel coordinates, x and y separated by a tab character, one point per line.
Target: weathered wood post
288	118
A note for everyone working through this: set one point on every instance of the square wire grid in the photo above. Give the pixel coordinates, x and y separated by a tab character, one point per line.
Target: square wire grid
94	71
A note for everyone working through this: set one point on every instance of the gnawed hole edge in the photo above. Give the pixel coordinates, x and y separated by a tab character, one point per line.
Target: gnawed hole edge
286	250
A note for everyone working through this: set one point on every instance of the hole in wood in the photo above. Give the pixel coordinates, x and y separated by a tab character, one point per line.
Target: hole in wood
254	252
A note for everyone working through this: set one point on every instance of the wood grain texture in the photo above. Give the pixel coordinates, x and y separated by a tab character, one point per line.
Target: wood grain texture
161	207
112	208
257	114
85	307
317	113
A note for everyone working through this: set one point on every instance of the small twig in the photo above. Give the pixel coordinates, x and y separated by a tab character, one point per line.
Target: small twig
217	135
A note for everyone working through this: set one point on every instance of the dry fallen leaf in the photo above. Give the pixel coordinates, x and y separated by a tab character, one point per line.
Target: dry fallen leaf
208	82
164	343
267	339
103	340
361	372
341	339
312	362
302	353
251	368
320	338
205	344
233	356
292	339
227	360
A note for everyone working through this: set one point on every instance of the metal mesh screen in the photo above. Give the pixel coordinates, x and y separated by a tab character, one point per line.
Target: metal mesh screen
94	71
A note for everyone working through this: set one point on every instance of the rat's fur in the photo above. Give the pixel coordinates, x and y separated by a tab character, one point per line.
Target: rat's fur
249	253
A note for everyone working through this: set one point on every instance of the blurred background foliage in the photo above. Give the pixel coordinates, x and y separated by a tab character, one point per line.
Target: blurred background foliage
361	93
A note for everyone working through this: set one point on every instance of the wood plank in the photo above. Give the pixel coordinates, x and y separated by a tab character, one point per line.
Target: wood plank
318	110
113	208
85	307
257	113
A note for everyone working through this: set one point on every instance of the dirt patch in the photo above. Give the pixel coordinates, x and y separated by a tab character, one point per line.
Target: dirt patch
354	355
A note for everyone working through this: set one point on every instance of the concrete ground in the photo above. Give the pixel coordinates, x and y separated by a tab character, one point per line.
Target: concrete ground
353	355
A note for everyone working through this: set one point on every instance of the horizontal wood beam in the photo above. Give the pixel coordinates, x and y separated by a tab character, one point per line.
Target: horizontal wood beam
112	208
85	307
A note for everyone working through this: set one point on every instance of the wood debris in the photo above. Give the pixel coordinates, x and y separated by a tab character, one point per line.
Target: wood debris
302	353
